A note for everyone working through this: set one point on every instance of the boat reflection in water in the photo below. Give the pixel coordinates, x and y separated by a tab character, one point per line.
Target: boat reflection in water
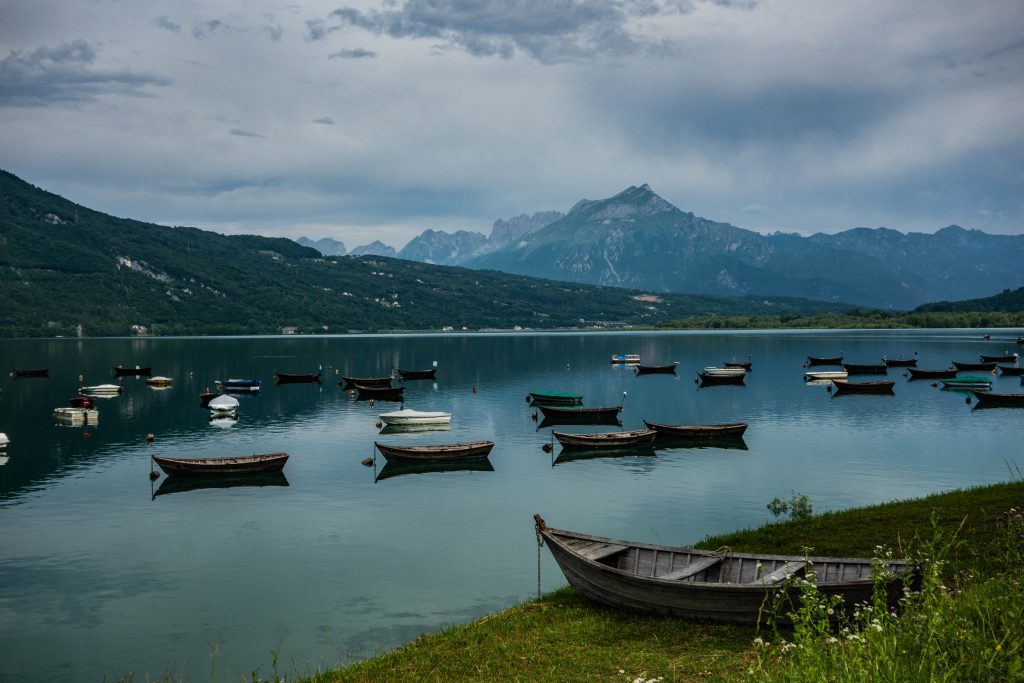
401	429
398	469
180	484
669	443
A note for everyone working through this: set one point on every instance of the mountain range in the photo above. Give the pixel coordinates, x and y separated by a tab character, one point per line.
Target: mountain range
639	240
66	269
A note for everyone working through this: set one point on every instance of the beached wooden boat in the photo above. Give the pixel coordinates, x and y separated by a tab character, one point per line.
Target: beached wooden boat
730	429
290	378
562	414
932	374
865	369
121	371
707	380
636	437
986	398
1006	358
844	386
101	390
379	393
822	360
351	382
239	385
900	362
975	367
824	375
703	585
625	359
968	382
555	398
38	372
1011	370
409	417
242	464
656	369
440	453
418	374
159	381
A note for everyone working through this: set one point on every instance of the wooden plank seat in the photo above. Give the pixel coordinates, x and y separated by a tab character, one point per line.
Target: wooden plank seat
602	550
691	569
783	572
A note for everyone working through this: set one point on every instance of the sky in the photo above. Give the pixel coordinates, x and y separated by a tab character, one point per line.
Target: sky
379	119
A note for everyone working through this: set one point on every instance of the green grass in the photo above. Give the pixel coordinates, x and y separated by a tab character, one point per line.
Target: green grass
563	637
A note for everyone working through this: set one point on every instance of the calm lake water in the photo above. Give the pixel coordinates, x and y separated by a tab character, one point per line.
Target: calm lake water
100	578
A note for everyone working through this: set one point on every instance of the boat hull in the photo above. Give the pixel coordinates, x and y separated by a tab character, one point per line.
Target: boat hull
418	374
846	387
727	430
900	362
120	371
351	382
638	577
975	367
1011	358
245	464
1011	370
581	415
656	369
1002	400
707	380
39	372
541	398
606	440
381	393
816	360
626	359
857	369
948	373
414	417
307	378
239	385
441	453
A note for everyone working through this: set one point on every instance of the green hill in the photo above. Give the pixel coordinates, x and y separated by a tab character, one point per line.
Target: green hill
1011	301
63	265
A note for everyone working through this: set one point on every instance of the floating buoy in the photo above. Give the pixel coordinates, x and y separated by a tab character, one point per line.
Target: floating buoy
527	398
153	475
829	388
474	388
547	448
906	374
367	461
149	438
533	416
935	384
967	400
378	424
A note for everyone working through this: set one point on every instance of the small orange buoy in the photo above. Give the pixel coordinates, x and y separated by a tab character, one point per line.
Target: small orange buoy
367	461
547	448
149	438
533	415
378	424
153	475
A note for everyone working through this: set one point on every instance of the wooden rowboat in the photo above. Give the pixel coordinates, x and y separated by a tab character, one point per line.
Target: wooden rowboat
702	585
1011	370
555	398
861	369
381	393
120	371
636	437
900	362
731	429
441	453
819	360
1006	358
745	364
242	464
289	378
847	387
975	367
656	369
932	374
968	382
707	380
986	399
418	374
39	372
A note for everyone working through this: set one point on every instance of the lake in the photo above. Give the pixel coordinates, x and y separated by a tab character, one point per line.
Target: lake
105	573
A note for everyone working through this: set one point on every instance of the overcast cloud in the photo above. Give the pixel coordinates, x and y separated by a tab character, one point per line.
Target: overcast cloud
377	119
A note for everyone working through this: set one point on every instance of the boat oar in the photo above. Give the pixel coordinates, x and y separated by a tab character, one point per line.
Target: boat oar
623	400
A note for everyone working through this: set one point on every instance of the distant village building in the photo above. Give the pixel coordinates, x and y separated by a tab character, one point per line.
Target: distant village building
289	329
139	330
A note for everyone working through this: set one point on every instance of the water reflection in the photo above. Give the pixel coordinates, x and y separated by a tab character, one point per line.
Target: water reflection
180	484
398	469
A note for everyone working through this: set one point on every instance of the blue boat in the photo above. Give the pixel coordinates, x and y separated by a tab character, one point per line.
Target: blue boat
230	385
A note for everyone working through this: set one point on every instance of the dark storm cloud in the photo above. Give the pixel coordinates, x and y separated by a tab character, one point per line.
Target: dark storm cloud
550	31
357	53
65	73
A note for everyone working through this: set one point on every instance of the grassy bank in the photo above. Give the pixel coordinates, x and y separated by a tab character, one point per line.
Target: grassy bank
564	637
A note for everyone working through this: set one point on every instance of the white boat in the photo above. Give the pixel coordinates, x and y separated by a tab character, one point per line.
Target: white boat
101	390
159	381
627	358
70	415
4	440
724	372
223	406
826	375
409	416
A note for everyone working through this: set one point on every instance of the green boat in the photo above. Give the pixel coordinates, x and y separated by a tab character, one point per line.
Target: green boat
548	398
968	382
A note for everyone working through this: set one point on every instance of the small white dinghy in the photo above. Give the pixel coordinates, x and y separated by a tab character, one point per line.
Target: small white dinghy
75	416
724	372
223	406
4	440
408	416
826	376
101	390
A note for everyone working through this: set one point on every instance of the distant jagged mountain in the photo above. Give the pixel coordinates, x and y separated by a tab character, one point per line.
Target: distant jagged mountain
444	248
326	245
506	232
65	268
637	239
374	248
